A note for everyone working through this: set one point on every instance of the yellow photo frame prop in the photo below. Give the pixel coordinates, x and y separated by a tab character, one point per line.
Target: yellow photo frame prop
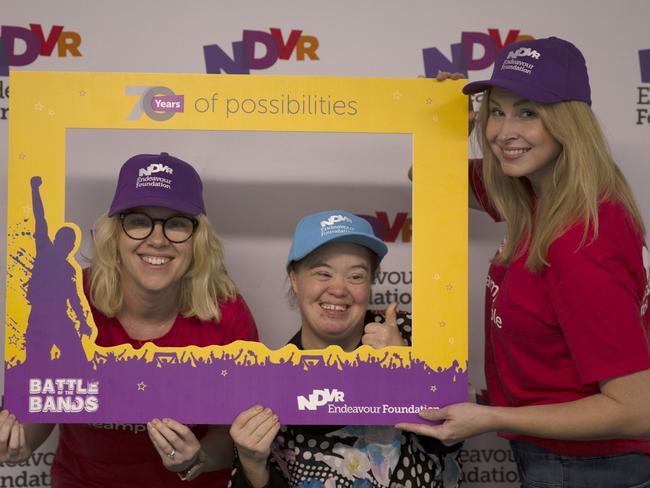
68	378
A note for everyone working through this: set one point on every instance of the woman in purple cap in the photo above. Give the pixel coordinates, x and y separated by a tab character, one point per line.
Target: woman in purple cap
332	263
567	324
157	275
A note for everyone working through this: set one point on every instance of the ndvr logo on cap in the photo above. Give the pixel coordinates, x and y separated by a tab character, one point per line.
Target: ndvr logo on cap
335	219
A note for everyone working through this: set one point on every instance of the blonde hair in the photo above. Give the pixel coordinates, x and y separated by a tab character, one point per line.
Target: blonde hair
584	174
203	285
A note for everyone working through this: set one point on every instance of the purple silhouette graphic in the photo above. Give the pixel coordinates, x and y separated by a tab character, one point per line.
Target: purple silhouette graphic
52	334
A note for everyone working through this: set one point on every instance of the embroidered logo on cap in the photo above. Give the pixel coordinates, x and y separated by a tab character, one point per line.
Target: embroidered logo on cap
511	61
145	178
524	51
334	219
155	168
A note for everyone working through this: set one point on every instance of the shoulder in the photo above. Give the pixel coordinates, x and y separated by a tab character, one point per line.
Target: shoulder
618	242
616	232
236	315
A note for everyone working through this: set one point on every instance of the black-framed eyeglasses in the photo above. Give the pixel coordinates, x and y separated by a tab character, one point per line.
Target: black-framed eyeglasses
176	229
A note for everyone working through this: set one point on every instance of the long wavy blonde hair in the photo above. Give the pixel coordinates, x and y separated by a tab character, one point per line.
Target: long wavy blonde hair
203	285
584	174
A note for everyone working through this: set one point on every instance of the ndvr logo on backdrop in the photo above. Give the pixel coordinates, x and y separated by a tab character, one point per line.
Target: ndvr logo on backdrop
464	56
273	44
643	92
20	46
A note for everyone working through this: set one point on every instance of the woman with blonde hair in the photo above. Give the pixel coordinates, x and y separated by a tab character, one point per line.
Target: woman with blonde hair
157	275
567	326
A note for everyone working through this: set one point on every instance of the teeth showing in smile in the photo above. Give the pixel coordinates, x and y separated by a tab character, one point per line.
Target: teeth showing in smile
329	306
514	152
155	260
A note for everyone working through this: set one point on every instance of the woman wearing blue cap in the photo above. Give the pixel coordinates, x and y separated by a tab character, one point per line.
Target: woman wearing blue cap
566	313
157	276
332	263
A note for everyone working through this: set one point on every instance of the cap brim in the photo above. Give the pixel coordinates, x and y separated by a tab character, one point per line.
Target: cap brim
153	201
534	93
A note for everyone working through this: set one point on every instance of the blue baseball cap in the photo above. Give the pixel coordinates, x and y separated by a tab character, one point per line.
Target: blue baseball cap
333	226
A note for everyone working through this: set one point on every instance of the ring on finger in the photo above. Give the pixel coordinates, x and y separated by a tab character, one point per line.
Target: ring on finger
172	454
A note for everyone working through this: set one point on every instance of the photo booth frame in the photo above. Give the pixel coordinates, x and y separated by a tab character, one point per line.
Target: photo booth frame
75	380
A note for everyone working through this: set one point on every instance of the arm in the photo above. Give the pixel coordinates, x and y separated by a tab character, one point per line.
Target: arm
39	213
181	452
18	441
620	410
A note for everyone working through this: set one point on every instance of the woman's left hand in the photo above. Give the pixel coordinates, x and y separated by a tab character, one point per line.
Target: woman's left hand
176	443
459	422
384	334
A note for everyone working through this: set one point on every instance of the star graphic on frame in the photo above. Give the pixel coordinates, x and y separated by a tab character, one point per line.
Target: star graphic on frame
141	386
224	372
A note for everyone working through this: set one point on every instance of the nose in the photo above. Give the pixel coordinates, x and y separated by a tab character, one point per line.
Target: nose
508	130
157	237
337	287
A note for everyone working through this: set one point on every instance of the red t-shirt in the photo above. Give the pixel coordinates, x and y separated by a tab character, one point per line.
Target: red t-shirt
122	455
551	336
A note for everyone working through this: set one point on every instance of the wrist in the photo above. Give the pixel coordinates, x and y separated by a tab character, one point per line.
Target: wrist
256	471
194	468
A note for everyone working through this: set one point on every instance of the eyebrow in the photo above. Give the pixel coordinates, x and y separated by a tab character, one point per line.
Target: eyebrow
519	102
318	264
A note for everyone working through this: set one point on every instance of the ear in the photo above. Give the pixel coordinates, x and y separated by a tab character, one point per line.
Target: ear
294	281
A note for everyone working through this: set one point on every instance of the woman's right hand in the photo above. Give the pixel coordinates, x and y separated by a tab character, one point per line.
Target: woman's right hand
13	446
253	432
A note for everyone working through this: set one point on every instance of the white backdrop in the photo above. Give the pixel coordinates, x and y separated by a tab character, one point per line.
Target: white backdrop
267	174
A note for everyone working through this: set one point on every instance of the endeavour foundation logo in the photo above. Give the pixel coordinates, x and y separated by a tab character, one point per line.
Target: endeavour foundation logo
336	224
158	102
335	401
145	177
56	395
319	398
512	63
464	56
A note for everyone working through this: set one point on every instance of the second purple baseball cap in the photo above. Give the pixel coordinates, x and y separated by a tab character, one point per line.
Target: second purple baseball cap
545	70
158	180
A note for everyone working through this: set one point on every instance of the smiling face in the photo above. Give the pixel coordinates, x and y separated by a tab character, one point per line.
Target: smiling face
519	139
155	265
332	287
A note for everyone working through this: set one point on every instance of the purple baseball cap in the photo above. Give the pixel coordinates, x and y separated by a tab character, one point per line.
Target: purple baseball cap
545	70
158	180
